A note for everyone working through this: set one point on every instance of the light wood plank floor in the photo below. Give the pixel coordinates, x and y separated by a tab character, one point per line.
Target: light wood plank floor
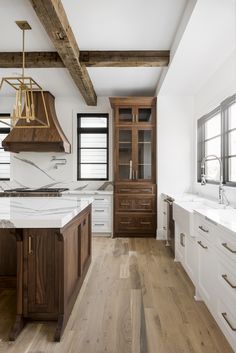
135	300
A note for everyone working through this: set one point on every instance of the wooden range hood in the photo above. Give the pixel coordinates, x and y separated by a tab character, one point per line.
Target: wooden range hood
50	139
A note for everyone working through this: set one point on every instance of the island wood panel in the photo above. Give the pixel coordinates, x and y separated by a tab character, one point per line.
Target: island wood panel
50	271
7	258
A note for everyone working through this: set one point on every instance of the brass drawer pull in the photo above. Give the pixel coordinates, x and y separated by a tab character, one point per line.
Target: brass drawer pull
203	246
30	245
125	204
225	277
228	322
124	222
145	222
203	229
228	248
144	204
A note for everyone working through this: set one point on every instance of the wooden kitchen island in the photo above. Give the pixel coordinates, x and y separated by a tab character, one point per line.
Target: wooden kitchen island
45	252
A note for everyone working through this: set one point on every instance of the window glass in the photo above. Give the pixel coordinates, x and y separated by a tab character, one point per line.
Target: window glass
213	126
213	146
232	116
232	169
93	122
4	155
212	170
232	142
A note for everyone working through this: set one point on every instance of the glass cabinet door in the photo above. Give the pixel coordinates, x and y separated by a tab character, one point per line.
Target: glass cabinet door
125	154
144	115
125	115
145	150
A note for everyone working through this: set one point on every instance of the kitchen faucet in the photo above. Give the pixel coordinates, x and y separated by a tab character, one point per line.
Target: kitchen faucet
203	177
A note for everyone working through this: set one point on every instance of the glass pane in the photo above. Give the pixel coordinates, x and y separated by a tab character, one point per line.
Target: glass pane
232	116
125	114
144	172
144	154
125	153
213	147
4	171
213	127
93	140
212	170
232	142
92	122
232	169
125	136
145	115
92	156
124	172
93	171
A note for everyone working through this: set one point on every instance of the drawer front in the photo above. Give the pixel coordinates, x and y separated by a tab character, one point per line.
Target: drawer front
101	212
135	189
226	318
226	244
101	200
227	279
205	228
123	203
135	203
144	204
99	226
135	223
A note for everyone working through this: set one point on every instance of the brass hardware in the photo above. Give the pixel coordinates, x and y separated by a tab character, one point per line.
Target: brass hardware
228	322
203	246
136	175
203	229
133	174
228	248
225	277
124	222
30	245
145	222
124	204
182	236
133	118
24	25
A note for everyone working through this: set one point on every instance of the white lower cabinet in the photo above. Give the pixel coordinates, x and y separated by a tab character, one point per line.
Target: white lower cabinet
190	257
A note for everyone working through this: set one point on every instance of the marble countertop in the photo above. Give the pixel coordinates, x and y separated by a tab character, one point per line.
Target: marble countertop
182	196
40	212
87	192
224	218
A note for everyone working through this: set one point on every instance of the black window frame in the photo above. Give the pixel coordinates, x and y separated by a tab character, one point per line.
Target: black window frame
223	109
4	130
95	130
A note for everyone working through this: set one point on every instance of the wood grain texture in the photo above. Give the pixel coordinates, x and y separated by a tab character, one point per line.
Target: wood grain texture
53	17
150	311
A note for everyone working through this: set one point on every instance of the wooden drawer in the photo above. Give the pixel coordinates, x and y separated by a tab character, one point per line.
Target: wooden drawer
135	203
135	223
135	188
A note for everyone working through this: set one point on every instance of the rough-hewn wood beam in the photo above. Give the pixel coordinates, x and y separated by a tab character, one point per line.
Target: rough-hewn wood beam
33	60
53	17
153	58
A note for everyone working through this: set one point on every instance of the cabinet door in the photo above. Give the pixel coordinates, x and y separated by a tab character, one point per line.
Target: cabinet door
206	271
41	268
191	257
124	115
144	115
145	170
124	163
85	241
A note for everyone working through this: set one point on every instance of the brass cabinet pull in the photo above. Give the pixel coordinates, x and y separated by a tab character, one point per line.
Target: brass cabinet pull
136	173
124	222
145	222
144	204
133	175
182	235
203	246
203	229
133	118
228	248
30	245
225	277
228	322
124	204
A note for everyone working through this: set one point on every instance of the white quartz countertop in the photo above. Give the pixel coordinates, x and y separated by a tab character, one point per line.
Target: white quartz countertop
40	212
224	218
87	192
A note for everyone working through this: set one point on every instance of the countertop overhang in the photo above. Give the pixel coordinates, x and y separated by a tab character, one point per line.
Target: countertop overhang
40	212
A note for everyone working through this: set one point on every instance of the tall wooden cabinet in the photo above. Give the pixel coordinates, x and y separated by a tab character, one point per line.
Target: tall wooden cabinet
134	163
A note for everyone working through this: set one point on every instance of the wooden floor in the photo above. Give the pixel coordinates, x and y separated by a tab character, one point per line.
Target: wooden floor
135	300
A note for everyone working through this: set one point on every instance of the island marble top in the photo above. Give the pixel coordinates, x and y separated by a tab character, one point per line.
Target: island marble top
40	212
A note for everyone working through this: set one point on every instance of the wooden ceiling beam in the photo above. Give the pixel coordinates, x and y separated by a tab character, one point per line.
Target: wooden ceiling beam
149	58
88	58
53	17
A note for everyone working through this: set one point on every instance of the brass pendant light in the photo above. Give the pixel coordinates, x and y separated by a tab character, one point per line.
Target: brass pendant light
24	113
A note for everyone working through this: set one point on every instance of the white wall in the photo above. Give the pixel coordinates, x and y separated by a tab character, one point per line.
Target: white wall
220	86
43	172
175	146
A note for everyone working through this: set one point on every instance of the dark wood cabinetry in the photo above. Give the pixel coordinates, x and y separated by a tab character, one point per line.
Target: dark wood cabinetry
134	166
48	267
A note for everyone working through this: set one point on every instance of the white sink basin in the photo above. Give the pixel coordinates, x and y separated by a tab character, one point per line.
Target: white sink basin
183	212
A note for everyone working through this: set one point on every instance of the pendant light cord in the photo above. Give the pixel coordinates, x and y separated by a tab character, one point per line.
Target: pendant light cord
23	54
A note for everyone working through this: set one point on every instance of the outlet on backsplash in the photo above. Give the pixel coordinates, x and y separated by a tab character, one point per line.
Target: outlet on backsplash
58	162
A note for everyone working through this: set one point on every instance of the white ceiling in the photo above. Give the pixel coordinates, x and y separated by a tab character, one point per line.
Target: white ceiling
99	25
209	39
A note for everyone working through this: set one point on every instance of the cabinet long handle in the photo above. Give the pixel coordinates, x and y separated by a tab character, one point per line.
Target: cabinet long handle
182	236
99	224
228	248
99	199
225	277
124	204
30	245
99	210
203	246
228	322
145	222
124	222
136	175
203	229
